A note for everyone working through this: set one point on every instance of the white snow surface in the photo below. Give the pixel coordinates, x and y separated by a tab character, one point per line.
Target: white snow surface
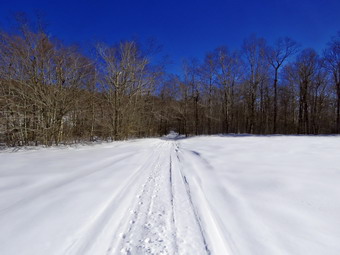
203	195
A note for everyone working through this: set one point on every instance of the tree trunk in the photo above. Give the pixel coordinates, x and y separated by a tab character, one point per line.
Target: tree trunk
275	102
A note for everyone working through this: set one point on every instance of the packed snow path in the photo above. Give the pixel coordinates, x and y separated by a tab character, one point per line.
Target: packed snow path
205	195
163	218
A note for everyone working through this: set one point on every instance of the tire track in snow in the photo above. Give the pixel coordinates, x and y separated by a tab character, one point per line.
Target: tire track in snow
172	203
164	218
219	239
197	218
151	227
190	204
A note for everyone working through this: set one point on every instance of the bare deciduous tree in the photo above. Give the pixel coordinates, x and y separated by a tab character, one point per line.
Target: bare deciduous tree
277	55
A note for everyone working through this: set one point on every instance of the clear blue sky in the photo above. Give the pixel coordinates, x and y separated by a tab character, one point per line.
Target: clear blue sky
184	28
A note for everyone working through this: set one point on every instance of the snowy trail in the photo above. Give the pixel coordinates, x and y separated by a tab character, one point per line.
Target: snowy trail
202	196
150	228
163	218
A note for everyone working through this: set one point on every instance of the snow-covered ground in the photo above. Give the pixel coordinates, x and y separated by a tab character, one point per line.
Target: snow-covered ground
203	195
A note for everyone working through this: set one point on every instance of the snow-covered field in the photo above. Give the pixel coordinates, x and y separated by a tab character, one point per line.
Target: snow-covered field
203	195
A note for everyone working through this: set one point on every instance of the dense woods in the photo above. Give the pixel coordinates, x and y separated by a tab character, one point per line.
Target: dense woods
51	93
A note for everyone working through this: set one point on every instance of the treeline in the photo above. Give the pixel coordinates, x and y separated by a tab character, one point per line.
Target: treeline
259	89
51	93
